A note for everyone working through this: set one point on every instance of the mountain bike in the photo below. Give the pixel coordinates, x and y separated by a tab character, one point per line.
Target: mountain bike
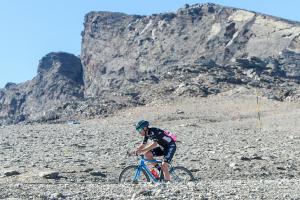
141	173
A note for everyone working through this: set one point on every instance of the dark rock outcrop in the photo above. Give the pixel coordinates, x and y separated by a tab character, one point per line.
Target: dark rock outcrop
58	81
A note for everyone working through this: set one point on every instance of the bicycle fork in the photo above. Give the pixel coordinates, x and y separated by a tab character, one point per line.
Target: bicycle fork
137	173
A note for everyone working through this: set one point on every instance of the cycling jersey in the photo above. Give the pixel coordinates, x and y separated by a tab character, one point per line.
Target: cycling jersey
158	135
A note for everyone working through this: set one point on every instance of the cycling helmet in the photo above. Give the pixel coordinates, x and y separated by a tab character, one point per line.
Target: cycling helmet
141	125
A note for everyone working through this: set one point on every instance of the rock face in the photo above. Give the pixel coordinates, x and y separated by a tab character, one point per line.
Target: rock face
59	80
129	60
200	49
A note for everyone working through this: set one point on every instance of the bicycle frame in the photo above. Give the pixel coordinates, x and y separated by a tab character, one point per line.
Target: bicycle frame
142	166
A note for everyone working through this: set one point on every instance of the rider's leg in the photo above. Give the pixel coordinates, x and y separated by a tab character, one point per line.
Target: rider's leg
169	153
154	152
149	156
165	169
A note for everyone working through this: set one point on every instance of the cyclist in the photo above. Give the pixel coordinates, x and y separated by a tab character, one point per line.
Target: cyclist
163	145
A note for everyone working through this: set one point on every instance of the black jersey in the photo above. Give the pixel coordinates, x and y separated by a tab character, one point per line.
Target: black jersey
158	136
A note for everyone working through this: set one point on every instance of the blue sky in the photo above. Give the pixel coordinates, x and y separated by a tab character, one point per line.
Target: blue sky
30	29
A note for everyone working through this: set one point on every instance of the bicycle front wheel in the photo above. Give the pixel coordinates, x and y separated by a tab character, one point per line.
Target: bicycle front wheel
181	174
128	175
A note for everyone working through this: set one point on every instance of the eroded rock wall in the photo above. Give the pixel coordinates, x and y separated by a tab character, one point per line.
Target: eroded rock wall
119	50
59	80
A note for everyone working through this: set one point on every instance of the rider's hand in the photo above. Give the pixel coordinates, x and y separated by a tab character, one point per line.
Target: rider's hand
137	152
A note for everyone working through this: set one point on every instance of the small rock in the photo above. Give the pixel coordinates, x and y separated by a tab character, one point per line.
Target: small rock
79	161
215	159
281	168
249	147
71	122
88	170
232	165
237	169
57	196
11	173
265	174
256	157
81	146
244	158
80	131
49	175
97	173
145	193
177	191
179	112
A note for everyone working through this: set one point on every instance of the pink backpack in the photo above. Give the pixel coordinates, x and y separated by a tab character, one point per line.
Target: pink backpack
171	135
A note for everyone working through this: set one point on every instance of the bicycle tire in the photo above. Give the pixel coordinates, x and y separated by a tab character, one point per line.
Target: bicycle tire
131	169
181	174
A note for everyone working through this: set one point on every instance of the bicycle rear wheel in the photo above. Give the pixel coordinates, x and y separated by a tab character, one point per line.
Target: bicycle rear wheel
128	174
181	174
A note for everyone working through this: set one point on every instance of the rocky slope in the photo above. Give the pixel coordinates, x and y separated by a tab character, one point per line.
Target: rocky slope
130	60
218	139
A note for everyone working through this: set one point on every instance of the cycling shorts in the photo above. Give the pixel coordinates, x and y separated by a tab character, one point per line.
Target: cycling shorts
167	152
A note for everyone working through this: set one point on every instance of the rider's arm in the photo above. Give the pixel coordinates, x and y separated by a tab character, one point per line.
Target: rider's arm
148	148
143	144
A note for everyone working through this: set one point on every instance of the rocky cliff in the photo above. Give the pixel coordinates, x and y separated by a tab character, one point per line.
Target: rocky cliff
127	60
194	50
59	80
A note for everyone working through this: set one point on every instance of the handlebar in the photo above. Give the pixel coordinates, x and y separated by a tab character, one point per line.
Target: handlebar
133	153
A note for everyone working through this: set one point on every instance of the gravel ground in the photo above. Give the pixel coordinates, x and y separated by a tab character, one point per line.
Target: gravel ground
219	139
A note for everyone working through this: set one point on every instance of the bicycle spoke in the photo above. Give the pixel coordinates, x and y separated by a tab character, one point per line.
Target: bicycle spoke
181	174
128	175
179	177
